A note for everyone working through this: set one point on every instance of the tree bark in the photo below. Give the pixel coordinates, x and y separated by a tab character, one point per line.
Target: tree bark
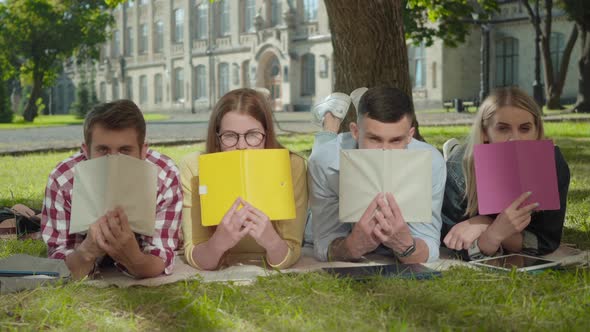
369	47
583	101
30	112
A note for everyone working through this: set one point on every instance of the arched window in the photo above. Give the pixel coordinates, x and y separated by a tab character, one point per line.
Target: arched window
223	78
178	85
143	89
143	39
308	75
158	89
202	20
310	8
178	25
201	86
235	74
417	65
248	12
159	37
507	61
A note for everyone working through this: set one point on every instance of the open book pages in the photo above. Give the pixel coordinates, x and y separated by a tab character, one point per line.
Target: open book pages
104	183
261	177
407	174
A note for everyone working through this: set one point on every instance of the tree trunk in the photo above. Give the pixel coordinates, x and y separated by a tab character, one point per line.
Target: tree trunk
583	102
369	47
30	111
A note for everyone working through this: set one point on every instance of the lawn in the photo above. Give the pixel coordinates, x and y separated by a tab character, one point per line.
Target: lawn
61	120
462	299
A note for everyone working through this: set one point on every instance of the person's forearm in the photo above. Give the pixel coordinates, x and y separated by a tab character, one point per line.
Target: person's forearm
277	251
340	250
145	266
80	263
208	254
488	243
513	243
420	255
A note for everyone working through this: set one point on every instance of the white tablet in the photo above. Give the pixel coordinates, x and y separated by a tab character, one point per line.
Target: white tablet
517	261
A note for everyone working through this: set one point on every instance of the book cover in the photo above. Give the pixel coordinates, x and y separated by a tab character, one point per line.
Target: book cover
262	177
104	183
504	171
366	172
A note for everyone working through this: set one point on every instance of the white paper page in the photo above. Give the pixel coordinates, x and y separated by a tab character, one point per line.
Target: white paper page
88	195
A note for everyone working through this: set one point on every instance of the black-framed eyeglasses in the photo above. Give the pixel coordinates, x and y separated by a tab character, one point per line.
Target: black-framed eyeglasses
231	138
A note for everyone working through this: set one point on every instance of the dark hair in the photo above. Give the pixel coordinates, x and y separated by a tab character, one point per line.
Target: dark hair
116	115
244	101
385	104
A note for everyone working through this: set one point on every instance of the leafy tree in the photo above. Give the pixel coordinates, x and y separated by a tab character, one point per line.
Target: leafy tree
43	33
6	114
579	12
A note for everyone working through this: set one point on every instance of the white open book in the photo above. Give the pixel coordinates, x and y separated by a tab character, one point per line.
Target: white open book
366	172
104	183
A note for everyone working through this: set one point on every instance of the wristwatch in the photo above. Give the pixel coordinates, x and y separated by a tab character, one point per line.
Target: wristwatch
410	250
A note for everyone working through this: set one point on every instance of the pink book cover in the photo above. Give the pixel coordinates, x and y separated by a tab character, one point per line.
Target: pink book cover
504	171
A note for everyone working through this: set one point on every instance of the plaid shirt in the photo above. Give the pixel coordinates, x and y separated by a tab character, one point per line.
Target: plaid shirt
57	206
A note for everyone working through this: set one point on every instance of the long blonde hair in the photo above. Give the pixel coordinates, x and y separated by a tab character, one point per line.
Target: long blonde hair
501	97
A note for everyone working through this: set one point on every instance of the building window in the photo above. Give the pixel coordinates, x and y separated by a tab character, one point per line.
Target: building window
324	66
224	17
143	39
158	89
202	20
115	51
201	86
248	12
130	3
310	8
103	91
129	42
159	37
143	2
223	78
179	85
557	45
178	25
143	89
275	13
246	74
235	74
129	88
115	89
308	75
417	66
506	62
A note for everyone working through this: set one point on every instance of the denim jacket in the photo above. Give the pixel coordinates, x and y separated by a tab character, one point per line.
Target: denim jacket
543	234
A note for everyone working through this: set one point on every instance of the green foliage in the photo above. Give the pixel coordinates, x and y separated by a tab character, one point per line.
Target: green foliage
37	36
448	20
578	11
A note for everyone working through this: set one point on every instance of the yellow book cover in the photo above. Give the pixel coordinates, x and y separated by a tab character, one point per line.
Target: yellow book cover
261	177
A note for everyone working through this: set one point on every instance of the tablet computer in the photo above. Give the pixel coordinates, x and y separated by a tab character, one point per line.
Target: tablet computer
515	261
404	271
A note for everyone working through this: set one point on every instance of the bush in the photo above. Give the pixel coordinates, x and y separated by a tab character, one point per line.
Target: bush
6	114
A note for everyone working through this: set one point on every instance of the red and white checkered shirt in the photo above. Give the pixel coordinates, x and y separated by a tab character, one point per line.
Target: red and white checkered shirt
57	206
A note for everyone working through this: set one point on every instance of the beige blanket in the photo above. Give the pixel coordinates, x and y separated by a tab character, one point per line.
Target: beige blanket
245	269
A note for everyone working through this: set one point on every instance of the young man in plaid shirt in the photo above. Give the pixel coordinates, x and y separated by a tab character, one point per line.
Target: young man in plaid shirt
111	128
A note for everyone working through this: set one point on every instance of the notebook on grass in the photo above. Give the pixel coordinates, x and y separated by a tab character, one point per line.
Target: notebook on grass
405	173
404	271
261	177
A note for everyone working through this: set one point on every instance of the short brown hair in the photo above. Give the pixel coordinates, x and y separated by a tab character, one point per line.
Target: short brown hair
115	115
244	101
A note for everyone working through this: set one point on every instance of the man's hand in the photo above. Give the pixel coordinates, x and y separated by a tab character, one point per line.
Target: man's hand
117	239
463	234
391	229
233	227
362	239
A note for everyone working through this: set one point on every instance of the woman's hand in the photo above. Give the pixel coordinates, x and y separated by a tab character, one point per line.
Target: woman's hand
463	234
514	219
233	226
261	229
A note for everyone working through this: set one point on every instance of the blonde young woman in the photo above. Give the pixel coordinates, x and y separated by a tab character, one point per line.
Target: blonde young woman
241	119
507	114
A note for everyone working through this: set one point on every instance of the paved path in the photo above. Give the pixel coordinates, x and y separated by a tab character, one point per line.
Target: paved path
187	128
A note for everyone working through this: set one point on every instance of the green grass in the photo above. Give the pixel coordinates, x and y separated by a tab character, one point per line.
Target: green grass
462	299
61	120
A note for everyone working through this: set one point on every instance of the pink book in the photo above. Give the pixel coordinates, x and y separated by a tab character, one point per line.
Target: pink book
504	171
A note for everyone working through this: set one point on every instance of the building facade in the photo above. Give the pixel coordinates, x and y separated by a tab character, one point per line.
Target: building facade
183	55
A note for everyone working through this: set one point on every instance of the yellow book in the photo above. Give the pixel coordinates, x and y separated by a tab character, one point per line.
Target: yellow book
261	177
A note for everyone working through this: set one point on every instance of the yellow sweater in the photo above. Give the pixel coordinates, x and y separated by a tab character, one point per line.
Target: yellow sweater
289	230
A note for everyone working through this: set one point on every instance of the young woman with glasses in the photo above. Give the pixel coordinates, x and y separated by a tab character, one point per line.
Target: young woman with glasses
241	119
